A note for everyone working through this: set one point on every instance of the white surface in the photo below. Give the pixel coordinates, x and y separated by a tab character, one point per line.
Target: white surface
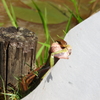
79	77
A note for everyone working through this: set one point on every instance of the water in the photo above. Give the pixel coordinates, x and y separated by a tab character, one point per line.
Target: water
55	29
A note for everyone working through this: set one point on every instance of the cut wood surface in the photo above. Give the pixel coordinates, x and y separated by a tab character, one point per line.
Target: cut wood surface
79	77
17	53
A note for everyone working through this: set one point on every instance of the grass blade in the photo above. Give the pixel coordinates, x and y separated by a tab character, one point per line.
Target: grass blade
68	23
13	15
58	9
45	44
41	60
39	12
43	19
3	84
39	52
77	10
46	27
9	13
79	19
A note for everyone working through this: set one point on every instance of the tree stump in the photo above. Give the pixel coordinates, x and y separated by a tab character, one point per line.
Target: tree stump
17	53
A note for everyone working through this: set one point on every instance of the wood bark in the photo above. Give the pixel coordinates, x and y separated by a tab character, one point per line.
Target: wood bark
17	53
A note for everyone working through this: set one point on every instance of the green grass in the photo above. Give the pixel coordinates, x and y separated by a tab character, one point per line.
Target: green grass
12	96
3	85
45	45
11	14
77	15
68	24
69	15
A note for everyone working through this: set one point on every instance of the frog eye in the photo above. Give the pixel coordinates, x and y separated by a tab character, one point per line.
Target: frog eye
59	42
62	43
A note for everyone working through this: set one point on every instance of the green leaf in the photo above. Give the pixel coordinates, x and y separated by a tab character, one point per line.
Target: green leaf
45	44
32	15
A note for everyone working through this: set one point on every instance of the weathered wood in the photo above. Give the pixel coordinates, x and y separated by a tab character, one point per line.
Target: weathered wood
17	51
